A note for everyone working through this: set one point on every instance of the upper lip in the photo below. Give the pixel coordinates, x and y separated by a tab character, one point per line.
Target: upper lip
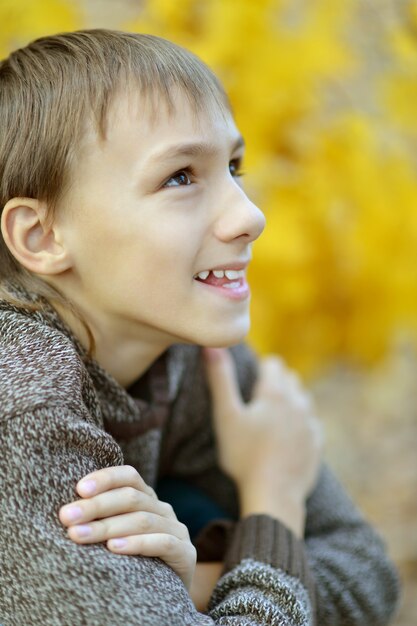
236	265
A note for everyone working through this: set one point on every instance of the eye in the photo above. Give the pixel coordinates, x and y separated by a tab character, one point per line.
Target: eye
235	166
179	179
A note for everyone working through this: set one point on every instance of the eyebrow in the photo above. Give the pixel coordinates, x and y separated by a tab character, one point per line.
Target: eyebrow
194	149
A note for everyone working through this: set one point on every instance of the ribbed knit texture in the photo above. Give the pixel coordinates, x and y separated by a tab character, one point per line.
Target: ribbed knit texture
62	416
262	537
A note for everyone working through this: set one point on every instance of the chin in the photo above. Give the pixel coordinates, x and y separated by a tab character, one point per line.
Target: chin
226	339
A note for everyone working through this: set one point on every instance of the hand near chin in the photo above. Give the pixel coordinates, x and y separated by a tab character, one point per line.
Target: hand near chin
117	507
271	446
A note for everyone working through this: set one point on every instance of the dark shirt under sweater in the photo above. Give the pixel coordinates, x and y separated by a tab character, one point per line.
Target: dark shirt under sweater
62	416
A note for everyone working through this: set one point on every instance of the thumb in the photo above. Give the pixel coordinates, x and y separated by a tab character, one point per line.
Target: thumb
222	379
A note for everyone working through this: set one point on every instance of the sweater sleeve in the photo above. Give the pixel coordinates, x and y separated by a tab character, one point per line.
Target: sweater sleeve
355	581
46	579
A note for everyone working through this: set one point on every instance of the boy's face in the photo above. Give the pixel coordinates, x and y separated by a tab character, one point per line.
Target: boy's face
152	206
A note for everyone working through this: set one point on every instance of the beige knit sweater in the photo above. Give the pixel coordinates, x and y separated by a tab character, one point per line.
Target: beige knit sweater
62	416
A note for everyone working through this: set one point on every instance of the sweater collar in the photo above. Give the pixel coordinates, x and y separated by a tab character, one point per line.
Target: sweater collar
128	412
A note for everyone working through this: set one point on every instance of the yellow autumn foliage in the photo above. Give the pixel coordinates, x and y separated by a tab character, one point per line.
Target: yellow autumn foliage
335	274
23	20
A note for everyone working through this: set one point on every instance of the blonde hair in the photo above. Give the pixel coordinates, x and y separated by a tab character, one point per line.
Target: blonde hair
51	88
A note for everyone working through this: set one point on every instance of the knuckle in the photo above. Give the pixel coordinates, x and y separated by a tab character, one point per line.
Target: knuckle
169	543
304	402
273	364
133	498
191	553
101	529
134	478
95	508
131	472
184	530
106	476
145	522
167	509
274	359
276	389
150	491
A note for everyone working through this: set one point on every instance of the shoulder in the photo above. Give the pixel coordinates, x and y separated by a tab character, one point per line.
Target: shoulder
38	363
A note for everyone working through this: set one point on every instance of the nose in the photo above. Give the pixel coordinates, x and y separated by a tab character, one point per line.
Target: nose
238	217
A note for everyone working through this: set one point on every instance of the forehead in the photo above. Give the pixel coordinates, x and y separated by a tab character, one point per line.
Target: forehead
145	134
156	116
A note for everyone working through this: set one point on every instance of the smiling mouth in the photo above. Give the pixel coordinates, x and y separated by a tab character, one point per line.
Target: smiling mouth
230	279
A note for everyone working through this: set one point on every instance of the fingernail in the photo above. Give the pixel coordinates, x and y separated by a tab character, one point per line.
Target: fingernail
88	486
118	543
73	513
83	530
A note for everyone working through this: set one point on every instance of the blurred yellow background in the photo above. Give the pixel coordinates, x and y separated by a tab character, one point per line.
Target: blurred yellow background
325	94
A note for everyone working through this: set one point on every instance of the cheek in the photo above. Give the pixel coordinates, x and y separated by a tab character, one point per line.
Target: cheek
148	245
172	244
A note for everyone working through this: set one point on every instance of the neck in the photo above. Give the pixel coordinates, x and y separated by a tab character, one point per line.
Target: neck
126	356
126	362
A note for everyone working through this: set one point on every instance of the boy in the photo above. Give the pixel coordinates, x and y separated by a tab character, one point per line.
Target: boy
126	236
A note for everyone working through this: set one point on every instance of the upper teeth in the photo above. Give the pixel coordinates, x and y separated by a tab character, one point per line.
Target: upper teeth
230	274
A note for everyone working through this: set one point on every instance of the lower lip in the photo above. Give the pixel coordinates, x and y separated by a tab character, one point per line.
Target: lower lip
239	293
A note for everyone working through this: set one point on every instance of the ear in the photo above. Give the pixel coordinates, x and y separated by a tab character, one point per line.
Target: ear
31	239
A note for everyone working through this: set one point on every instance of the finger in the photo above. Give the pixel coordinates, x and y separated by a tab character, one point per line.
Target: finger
222	379
138	523
294	382
114	502
165	546
277	380
303	401
181	556
317	430
112	478
271	377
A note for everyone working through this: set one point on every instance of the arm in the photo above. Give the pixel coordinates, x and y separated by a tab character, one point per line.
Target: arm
343	550
338	549
47	579
356	583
